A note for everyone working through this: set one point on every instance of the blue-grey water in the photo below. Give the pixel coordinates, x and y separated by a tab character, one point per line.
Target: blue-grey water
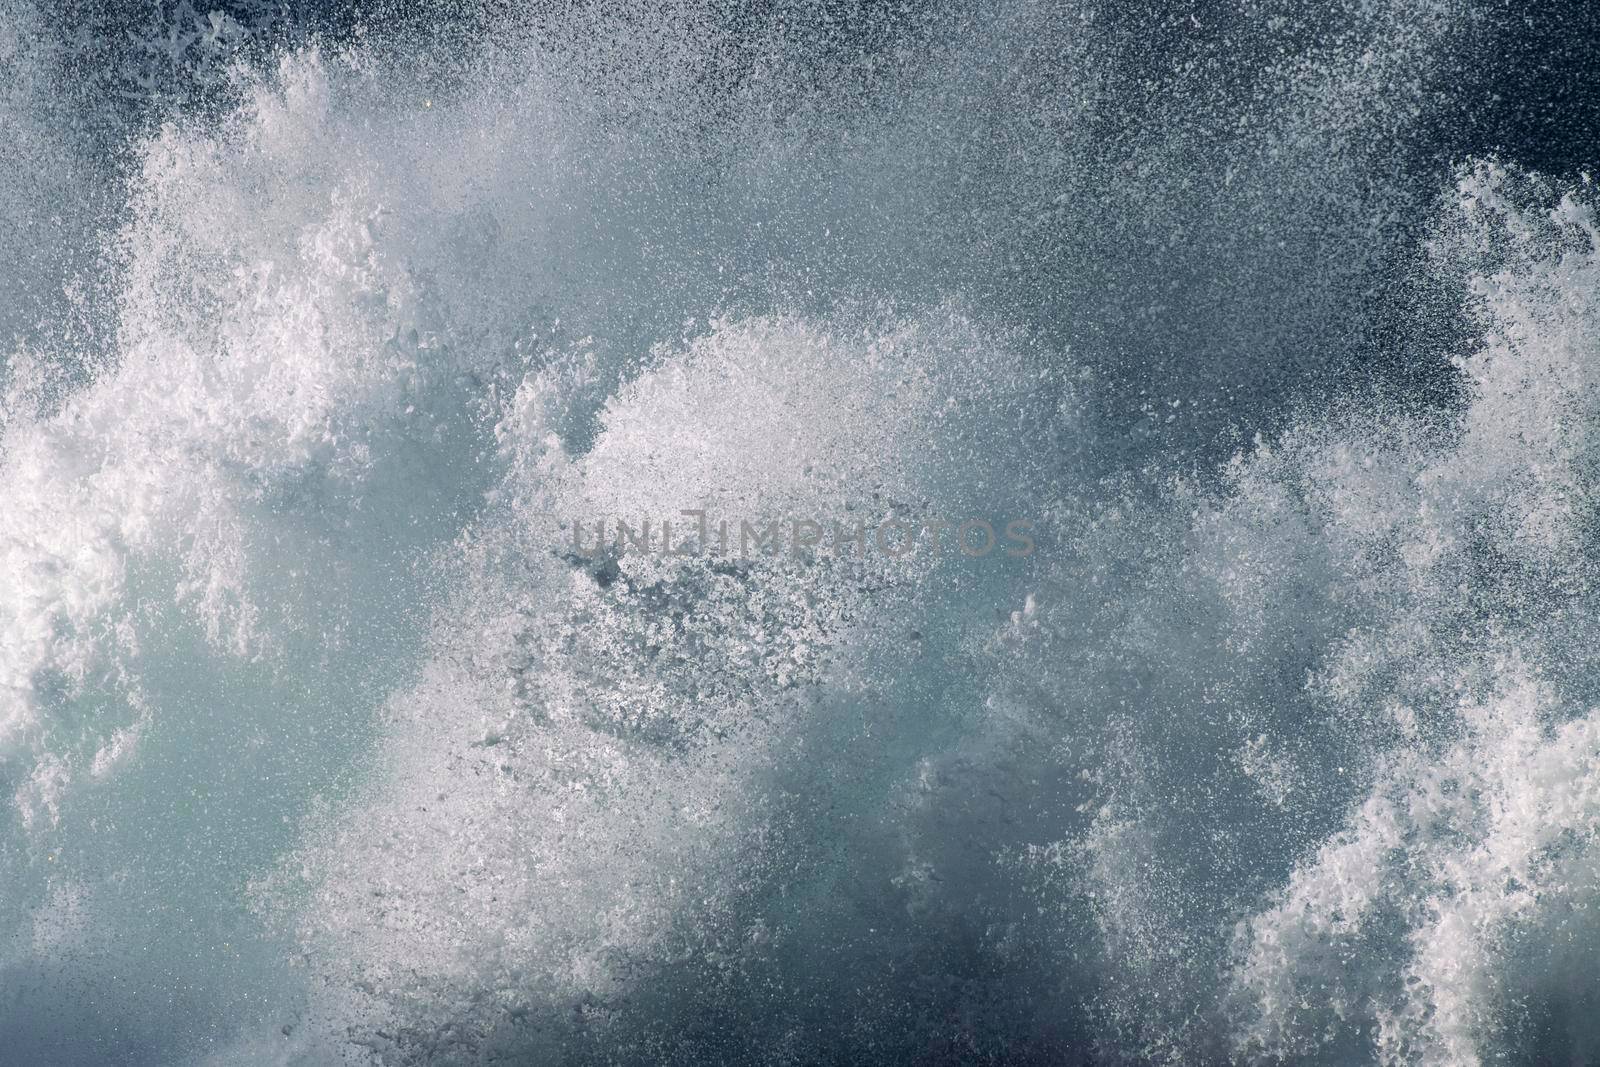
1262	340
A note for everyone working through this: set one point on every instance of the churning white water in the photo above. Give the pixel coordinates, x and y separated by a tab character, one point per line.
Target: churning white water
1265	727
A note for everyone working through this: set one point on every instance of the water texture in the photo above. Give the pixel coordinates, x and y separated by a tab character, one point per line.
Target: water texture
325	739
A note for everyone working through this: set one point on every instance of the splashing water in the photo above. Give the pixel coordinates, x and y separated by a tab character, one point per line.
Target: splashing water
326	738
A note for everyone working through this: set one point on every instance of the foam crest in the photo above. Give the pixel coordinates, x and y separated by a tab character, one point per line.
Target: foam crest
326	713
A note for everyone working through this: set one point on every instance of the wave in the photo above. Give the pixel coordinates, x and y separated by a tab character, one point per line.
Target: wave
327	738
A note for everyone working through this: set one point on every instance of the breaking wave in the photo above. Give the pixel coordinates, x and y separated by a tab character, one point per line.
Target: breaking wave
324	738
